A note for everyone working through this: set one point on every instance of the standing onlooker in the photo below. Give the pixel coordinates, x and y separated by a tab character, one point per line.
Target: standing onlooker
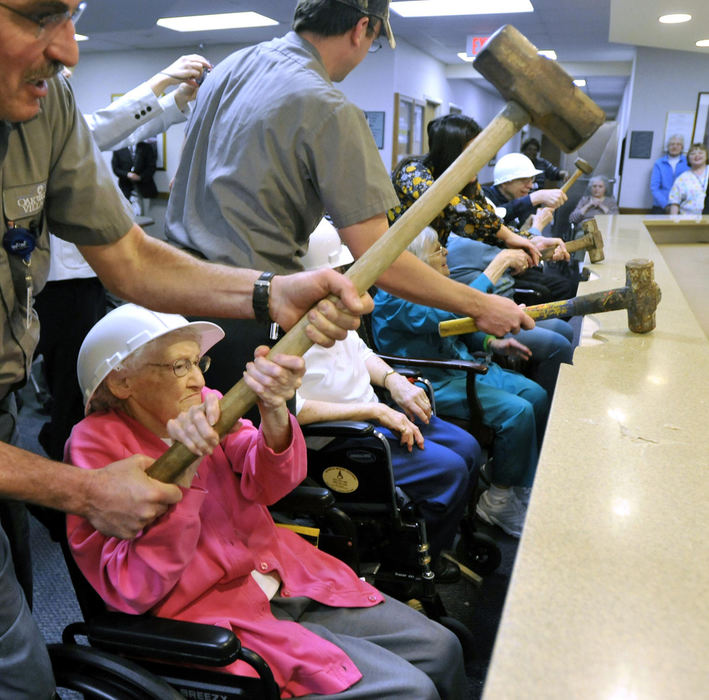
664	172
549	171
135	166
690	188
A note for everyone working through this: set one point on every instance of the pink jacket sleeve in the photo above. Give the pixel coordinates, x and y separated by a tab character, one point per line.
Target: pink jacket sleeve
130	575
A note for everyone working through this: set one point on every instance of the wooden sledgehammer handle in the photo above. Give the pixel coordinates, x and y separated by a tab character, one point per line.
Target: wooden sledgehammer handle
368	268
610	300
640	297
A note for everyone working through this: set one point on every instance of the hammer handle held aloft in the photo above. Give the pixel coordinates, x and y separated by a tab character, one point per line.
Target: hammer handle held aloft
365	272
598	302
567	185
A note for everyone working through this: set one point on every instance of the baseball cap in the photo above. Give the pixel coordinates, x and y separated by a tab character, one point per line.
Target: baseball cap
375	8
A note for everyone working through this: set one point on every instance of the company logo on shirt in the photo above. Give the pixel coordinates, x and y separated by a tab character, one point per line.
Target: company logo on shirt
32	201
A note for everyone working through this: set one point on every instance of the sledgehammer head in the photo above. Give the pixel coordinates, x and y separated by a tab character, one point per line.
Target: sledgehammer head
643	295
583	165
593	235
541	86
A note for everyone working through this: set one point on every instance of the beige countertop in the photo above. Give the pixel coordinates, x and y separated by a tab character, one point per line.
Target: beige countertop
609	596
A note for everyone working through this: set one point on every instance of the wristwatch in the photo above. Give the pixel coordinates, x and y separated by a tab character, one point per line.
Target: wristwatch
262	290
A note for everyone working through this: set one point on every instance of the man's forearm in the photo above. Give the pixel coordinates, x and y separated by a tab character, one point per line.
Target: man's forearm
28	477
147	271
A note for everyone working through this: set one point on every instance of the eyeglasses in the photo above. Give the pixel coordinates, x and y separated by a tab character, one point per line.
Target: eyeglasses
441	250
48	21
184	365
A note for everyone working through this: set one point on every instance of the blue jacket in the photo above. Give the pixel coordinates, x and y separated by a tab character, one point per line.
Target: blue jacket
662	178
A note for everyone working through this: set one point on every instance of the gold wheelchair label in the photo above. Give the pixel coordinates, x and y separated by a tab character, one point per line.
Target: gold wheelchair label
340	479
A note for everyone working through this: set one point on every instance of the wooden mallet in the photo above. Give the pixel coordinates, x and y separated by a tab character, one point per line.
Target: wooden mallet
582	168
592	240
538	91
640	297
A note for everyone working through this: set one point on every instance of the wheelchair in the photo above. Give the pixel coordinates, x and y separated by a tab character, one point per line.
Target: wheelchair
392	546
144	657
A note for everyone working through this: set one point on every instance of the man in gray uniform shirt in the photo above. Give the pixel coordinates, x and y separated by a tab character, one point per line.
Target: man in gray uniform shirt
51	175
272	145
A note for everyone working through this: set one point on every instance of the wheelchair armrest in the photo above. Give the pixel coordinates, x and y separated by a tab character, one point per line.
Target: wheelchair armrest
465	365
162	639
315	500
337	428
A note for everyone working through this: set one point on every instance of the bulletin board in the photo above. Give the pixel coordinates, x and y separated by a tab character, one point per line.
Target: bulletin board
679	123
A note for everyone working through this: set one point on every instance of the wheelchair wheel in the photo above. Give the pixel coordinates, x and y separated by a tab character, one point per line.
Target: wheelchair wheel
480	552
101	676
465	636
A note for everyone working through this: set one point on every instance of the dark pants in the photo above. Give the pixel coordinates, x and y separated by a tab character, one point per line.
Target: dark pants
67	310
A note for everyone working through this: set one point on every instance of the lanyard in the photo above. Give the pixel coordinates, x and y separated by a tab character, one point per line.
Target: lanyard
20	242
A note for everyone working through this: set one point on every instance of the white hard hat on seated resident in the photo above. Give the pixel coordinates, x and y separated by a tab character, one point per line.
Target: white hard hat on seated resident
325	249
512	167
123	331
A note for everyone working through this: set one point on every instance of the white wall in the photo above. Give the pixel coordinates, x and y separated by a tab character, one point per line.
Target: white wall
371	86
663	81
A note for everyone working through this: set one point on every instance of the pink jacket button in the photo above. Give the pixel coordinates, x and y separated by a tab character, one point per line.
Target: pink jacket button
264	566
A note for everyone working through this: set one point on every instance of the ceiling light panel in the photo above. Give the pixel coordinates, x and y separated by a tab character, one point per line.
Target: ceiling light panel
449	8
206	23
674	19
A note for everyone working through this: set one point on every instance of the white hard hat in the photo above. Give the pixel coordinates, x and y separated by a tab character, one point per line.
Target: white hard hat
121	332
513	166
325	249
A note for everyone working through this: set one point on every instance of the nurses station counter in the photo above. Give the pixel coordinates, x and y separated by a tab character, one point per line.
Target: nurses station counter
609	595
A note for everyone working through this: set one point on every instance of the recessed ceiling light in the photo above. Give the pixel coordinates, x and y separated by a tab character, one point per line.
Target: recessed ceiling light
447	8
206	23
703	43
464	57
549	53
675	19
580	82
80	37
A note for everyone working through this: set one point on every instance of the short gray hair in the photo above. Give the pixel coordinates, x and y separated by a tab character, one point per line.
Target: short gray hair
679	137
420	243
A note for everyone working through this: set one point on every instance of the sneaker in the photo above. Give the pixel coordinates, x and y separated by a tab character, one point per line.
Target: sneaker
523	493
508	513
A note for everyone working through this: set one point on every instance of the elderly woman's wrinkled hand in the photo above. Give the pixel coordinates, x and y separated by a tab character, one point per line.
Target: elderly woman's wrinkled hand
274	380
193	427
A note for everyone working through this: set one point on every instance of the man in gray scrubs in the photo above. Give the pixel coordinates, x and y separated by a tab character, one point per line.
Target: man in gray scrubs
52	176
273	144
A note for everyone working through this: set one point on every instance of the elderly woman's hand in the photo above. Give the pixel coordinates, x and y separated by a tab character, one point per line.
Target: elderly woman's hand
193	428
274	380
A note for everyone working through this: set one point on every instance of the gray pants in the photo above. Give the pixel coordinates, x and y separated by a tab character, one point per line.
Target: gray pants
399	651
25	670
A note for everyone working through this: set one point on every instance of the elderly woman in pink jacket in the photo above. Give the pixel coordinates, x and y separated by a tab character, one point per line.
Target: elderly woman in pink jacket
217	557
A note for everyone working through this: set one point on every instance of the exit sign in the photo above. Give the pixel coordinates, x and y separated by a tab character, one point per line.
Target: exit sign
475	44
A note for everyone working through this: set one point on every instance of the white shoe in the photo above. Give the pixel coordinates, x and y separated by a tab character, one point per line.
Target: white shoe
507	513
523	493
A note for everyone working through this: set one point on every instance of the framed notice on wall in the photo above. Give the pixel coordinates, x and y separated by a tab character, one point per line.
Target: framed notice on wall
679	124
376	124
640	144
701	120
